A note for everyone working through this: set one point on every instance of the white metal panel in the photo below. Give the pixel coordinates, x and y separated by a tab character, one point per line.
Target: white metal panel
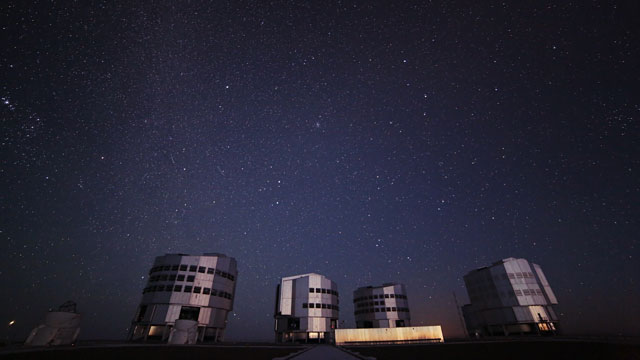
286	294
204	316
545	285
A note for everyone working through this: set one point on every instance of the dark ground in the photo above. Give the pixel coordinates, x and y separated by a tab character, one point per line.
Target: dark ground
496	350
541	349
156	352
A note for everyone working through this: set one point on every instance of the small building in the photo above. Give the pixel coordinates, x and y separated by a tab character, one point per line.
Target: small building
199	288
393	335
383	306
510	297
59	327
307	308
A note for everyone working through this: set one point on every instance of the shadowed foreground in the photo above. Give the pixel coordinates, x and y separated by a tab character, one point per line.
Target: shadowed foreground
156	352
495	350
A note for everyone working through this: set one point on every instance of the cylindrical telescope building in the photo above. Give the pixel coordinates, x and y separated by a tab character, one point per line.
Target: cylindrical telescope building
383	306
306	309
186	287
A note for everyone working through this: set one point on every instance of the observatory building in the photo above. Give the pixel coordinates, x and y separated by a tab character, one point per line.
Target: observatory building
187	298
382	317
60	327
307	309
383	306
510	297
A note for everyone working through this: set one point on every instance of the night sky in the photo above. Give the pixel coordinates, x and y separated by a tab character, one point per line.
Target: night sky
403	142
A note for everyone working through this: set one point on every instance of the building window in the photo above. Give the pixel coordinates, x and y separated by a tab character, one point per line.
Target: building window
214	292
318	290
193	268
318	306
191	278
392	296
293	324
305	305
324	306
231	277
189	313
180	277
388	309
183	267
166	268
386	296
202	269
163	277
324	291
197	289
188	288
218	272
311	290
160	288
210	271
311	305
172	277
393	309
174	267
177	288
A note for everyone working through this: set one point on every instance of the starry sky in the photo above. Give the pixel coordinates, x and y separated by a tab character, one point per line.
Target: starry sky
369	142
